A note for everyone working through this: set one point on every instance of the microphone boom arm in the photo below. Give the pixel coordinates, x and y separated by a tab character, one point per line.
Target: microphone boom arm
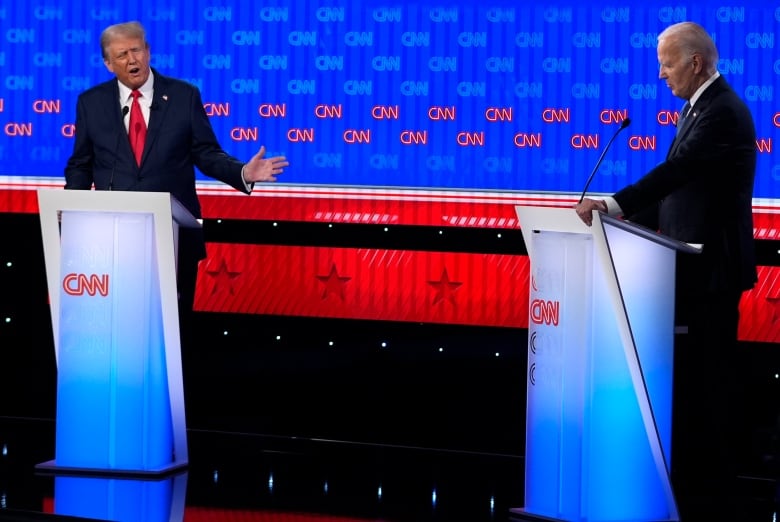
623	125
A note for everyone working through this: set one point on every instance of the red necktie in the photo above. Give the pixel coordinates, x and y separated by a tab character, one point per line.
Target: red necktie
137	128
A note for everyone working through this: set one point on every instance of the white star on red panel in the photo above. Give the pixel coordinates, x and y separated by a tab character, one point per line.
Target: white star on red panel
445	289
223	278
334	284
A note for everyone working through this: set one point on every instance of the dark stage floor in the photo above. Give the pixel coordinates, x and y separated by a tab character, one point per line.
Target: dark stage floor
243	477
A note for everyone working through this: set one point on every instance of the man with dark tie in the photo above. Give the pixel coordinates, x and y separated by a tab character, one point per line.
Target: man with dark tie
143	131
702	193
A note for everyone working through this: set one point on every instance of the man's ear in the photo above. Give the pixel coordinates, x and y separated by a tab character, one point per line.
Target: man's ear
697	63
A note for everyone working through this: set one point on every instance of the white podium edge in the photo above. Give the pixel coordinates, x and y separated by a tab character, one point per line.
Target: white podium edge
168	214
566	220
604	257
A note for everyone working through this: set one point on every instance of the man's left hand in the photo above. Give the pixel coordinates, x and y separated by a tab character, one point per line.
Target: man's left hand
261	168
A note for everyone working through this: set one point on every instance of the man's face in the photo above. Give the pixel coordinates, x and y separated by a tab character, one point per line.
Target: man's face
678	69
128	59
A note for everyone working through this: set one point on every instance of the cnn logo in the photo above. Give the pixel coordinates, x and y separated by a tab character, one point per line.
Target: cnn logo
545	312
80	284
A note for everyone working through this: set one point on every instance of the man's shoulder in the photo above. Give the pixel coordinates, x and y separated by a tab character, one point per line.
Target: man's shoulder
169	82
721	90
105	88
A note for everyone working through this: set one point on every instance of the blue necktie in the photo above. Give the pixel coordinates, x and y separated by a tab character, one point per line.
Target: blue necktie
683	116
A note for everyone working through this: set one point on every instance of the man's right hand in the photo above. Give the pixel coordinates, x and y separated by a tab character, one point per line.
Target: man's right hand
586	207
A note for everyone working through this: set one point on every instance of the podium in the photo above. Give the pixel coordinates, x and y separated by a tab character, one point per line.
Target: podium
111	270
600	361
148	499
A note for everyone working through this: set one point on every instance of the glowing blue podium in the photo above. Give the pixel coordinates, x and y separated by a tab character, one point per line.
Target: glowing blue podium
147	499
600	362
111	271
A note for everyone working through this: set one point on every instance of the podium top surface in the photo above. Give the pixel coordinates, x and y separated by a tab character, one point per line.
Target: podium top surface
562	219
651	235
117	201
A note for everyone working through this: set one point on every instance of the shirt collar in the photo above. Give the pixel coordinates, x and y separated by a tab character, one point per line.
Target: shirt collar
147	90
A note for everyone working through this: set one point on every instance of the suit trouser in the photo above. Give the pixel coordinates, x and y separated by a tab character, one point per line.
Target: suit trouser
707	402
191	252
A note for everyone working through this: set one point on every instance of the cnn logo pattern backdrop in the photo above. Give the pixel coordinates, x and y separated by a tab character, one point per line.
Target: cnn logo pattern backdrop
470	95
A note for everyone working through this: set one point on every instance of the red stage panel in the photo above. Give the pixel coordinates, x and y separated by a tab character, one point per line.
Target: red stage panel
760	308
398	285
390	207
373	284
370	284
18	201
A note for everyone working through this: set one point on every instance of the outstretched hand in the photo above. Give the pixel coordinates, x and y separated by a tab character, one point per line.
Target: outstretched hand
586	207
261	168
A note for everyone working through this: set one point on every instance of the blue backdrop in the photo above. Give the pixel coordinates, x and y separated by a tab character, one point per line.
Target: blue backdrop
457	94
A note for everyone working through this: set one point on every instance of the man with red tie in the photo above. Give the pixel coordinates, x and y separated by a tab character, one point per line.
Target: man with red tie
175	131
143	131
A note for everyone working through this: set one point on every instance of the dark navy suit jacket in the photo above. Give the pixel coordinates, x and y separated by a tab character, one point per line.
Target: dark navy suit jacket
702	193
179	138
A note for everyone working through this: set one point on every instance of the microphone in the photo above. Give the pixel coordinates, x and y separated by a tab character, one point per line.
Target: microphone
623	125
119	135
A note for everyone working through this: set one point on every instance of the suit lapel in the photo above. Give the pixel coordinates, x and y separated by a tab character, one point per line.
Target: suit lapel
115	120
701	107
157	112
688	121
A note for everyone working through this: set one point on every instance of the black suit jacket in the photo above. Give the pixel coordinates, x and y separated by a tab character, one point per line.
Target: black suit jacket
702	193
179	138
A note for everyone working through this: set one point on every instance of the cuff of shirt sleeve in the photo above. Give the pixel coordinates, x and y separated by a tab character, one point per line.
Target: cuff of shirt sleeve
613	209
247	186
